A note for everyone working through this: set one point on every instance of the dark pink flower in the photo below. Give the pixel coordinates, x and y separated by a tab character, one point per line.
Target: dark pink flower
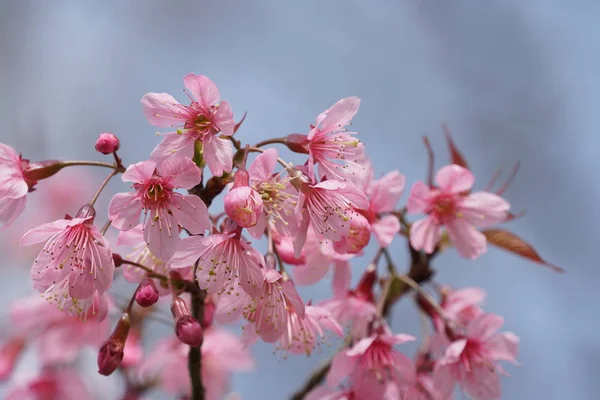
449	205
75	263
202	120
164	208
107	143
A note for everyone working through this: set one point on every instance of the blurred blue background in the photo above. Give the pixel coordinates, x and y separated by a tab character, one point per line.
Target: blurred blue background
514	80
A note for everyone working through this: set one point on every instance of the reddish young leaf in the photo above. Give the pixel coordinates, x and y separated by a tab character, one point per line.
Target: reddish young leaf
237	126
455	155
511	242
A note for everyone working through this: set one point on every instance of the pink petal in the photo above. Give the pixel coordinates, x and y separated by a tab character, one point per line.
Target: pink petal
173	143
263	165
81	284
11	209
257	231
386	192
340	114
342	276
469	242
453	352
12	185
385	230
139	172
419	198
203	89
482	383
484	209
313	271
361	347
425	234
43	232
161	236
218	154
293	297
356	196
402	338
223	119
250	273
341	367
504	346
162	110
184	173
103	266
484	326
191	213
231	306
454	179
302	232
189	249
124	211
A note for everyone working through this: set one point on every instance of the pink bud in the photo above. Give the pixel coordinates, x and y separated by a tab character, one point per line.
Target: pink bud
189	330
111	351
34	172
147	294
86	211
107	143
358	237
242	203
296	143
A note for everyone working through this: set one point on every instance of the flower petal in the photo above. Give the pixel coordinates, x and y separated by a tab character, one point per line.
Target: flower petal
184	173
191	213
162	110
454	179
425	234
218	154
203	89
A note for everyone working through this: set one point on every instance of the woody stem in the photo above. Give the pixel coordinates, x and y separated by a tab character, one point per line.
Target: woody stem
195	353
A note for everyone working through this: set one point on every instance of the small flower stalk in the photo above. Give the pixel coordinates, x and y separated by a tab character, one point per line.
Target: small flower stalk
111	351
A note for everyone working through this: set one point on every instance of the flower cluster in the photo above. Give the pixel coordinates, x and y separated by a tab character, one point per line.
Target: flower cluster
204	267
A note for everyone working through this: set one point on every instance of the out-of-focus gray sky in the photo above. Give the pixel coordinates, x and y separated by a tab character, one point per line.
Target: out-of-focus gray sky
514	80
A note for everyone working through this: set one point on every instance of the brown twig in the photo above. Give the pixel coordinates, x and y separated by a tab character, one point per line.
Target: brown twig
195	353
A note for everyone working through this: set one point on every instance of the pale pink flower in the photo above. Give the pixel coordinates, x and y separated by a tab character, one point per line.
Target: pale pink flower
461	305
353	308
472	360
279	197
63	384
222	354
305	333
164	208
141	254
268	312
373	362
13	186
328	206
75	264
202	120
329	144
451	205
242	203
383	194
58	337
224	261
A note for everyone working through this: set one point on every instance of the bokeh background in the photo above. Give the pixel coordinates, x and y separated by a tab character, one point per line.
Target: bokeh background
515	81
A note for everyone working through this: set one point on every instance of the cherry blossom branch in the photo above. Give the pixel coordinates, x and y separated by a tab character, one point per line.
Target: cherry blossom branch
313	381
267	142
93	164
102	186
195	353
423	294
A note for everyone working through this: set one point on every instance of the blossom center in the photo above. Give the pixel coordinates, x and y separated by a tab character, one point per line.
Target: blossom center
154	193
444	208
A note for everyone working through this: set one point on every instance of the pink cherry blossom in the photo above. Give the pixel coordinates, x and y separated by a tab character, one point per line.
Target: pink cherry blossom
279	197
373	362
461	305
13	186
451	205
329	144
353	308
472	360
58	337
268	312
163	208
305	333
243	204
223	260
75	264
383	195
202	120
222	354
328	206
141	254
63	384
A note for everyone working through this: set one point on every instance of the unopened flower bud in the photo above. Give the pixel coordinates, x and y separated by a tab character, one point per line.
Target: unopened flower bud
34	172
358	236
86	211
117	259
111	351
147	294
296	143
243	204
187	328
107	143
